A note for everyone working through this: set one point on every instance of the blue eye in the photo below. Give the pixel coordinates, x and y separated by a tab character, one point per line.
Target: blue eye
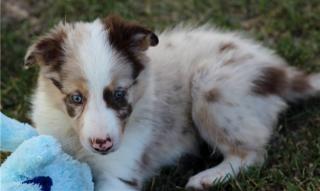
77	98
119	94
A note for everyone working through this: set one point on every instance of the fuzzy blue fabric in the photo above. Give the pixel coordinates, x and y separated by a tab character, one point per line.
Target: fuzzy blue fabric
42	156
13	133
39	164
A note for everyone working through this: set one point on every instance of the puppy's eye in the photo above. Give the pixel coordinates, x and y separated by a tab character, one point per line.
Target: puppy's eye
119	94
76	98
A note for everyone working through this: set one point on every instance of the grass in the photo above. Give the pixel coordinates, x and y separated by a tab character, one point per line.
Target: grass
292	28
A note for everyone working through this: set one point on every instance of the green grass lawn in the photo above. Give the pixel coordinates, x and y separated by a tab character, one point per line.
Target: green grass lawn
291	27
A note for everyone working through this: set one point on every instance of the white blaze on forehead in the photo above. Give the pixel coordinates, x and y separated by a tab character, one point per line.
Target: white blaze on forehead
96	59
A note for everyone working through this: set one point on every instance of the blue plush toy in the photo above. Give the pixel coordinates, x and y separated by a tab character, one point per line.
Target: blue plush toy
38	164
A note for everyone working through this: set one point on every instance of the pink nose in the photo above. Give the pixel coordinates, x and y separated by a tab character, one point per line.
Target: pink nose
101	145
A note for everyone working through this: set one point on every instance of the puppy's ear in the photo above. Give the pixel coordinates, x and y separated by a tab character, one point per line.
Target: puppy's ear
47	50
124	34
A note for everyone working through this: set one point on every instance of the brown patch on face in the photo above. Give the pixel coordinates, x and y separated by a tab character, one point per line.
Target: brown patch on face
71	108
227	46
74	109
273	80
212	95
121	106
133	183
72	84
130	40
300	83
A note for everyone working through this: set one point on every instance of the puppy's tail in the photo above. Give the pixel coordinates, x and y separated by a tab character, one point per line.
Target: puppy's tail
301	85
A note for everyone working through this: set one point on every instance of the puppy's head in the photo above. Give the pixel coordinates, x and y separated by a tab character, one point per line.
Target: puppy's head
94	67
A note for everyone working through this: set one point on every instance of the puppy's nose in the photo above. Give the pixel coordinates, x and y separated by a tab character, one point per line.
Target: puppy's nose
101	145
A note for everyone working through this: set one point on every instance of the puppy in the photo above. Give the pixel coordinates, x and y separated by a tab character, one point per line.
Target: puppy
127	103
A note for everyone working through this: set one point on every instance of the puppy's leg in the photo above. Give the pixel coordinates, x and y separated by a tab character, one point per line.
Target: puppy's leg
237	123
239	152
229	167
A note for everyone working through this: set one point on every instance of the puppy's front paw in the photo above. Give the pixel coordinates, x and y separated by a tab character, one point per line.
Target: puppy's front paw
198	183
204	180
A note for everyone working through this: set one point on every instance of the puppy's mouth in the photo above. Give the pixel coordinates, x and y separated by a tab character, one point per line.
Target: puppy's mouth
103	152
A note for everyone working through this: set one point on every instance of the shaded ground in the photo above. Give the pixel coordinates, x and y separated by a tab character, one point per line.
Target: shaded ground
292	28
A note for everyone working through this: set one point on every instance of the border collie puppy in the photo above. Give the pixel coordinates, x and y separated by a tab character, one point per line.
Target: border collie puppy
128	107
